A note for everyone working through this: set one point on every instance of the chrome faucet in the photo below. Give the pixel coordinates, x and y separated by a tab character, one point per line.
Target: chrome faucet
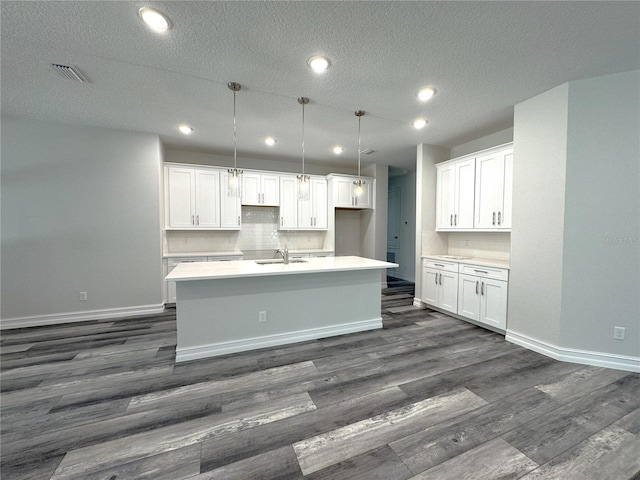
285	254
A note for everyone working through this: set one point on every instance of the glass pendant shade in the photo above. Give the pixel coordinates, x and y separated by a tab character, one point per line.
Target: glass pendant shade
303	180
235	176
358	185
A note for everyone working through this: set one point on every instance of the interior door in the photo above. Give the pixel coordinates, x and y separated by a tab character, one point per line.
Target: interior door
393	218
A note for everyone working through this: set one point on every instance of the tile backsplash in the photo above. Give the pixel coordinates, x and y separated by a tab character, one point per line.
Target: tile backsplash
259	233
491	245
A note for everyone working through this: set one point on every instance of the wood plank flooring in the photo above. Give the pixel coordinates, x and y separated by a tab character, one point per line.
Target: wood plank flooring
427	397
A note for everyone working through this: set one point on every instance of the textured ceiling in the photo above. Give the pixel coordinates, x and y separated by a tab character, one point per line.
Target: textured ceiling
482	57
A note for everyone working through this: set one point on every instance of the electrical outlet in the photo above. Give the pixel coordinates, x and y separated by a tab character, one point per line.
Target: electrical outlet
618	333
262	316
83	296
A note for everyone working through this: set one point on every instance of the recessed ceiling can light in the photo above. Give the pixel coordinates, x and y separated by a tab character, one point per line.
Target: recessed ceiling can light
419	123
270	141
318	63
185	129
425	93
337	150
155	20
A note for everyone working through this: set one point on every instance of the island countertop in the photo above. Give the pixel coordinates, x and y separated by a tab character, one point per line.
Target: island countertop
249	268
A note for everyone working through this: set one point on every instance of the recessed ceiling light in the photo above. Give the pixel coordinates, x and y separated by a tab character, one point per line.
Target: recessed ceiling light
419	123
337	150
185	129
318	63
425	93
270	141
155	20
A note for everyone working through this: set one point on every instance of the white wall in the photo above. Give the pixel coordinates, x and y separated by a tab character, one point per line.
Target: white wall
535	281
498	138
80	212
601	256
575	261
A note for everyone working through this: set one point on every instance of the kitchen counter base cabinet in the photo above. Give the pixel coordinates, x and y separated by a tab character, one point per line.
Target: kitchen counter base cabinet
482	295
440	285
274	304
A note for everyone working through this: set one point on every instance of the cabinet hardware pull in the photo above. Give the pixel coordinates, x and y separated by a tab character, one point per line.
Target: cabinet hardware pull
193	220
436	278
440	279
451	221
477	287
455	220
439	265
482	289
493	221
499	219
197	219
481	271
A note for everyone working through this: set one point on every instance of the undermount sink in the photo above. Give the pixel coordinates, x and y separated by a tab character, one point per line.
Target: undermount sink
454	257
269	261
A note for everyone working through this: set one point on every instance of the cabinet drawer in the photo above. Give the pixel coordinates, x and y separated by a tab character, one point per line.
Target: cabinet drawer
439	265
224	258
484	271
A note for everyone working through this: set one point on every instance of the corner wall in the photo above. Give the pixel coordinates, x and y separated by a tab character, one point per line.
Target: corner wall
80	212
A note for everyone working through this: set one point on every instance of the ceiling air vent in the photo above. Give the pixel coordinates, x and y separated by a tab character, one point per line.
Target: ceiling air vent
367	151
69	72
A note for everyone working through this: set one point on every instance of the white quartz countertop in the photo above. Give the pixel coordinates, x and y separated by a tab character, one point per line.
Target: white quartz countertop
485	262
249	268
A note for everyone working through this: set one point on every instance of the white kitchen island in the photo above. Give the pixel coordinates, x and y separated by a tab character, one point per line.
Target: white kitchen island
226	307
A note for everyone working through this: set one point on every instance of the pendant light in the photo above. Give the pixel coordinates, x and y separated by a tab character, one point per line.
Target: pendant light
235	175
358	185
303	180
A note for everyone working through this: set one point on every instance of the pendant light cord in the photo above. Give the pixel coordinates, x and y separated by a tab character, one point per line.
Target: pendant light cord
235	141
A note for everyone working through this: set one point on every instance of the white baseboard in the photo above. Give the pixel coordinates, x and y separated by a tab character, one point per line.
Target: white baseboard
584	357
418	303
55	319
224	348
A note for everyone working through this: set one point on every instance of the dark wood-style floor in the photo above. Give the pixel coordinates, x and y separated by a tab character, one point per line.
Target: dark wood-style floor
427	397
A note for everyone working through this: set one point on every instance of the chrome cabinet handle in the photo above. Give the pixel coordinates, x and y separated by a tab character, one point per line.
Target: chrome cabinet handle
493	220
476	287
481	271
439	265
482	289
455	220
499	218
193	220
451	221
436	278
197	219
440	279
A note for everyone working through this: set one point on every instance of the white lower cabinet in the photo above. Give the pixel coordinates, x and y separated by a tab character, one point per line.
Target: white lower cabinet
482	295
440	285
172	262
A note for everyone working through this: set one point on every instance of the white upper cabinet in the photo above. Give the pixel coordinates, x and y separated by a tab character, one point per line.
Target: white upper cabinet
343	194
261	189
307	214
494	174
454	195
193	198
474	192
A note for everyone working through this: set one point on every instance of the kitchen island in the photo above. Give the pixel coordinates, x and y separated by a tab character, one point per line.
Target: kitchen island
227	307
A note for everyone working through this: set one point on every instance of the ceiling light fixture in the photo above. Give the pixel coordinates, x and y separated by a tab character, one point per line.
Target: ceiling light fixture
155	20
318	63
303	180
185	129
235	175
426	93
419	123
337	150
358	185
270	141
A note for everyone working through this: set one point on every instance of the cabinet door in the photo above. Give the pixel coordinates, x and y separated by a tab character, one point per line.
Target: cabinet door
430	286
343	192
230	209
445	196
448	295
489	190
270	190
320	203
493	306
207	199
508	190
288	203
366	199
469	297
181	198
464	196
250	188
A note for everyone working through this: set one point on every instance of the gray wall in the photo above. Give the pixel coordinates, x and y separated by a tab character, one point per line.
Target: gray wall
576	196
80	212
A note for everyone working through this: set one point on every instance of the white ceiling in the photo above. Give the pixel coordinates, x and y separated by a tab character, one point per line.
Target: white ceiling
482	57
